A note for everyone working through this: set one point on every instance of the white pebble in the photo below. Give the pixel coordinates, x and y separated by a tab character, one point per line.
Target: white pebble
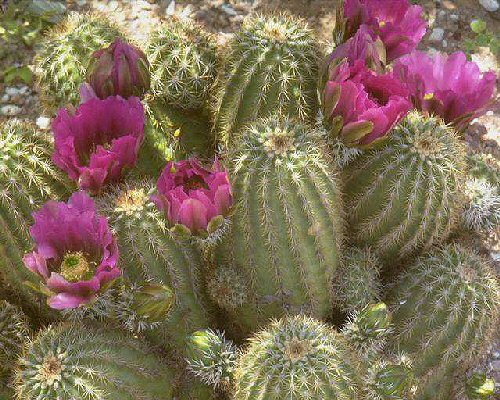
43	122
490	5
10	110
436	35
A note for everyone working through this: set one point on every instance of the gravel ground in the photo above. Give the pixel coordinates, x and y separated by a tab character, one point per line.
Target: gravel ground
449	27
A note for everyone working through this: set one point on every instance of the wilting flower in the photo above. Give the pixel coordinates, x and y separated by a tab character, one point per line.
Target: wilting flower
399	24
120	69
362	105
191	195
75	252
95	144
446	85
364	45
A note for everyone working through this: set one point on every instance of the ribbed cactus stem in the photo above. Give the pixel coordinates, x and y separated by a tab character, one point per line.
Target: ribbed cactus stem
270	66
444	308
149	254
407	195
80	362
297	358
27	180
65	54
287	224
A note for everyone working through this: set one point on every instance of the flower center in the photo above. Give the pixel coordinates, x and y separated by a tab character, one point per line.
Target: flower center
278	143
76	267
381	24
130	201
194	182
50	371
297	349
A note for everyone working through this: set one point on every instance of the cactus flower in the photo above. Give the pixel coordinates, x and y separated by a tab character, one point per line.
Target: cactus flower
446	85
75	253
363	106
99	140
120	69
193	196
399	24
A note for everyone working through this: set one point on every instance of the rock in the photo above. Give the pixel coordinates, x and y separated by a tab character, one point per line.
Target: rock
436	35
229	10
490	5
43	123
12	91
454	17
10	110
5	98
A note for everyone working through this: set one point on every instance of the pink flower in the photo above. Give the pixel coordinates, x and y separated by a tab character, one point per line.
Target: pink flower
191	195
399	24
446	85
96	143
120	69
363	105
75	254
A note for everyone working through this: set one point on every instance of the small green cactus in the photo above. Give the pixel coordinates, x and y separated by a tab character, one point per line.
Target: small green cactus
212	358
14	332
390	380
27	180
65	54
482	208
444	307
183	63
357	281
149	253
408	194
287	225
271	66
298	358
80	362
484	166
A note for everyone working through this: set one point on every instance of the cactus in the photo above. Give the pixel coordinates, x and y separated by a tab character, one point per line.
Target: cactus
444	308
477	387
482	209
27	180
80	362
297	358
65	54
271	67
287	226
151	254
212	358
357	281
390	380
183	63
407	195
14	332
484	166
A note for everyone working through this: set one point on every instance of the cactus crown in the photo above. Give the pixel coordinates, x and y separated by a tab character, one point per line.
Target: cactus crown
297	358
183	63
482	211
276	30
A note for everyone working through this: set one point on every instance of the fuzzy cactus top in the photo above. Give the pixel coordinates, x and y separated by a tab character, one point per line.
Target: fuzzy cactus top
75	254
99	140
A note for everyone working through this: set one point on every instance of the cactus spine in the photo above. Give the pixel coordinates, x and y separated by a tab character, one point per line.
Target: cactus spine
27	180
482	209
407	195
183	63
14	331
65	53
80	362
444	308
287	225
271	67
297	358
150	254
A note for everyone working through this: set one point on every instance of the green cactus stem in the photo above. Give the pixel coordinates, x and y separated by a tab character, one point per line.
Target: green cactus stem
408	194
270	66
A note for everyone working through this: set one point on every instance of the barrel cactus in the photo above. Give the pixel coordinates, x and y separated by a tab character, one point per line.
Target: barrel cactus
287	226
444	307
80	362
482	208
27	180
65	54
14	331
297	358
183	63
271	66
150	254
407	195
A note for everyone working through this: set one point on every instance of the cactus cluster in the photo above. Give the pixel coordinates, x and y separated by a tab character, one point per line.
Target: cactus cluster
253	225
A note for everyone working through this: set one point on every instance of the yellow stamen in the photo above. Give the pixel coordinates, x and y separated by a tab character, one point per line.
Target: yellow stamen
429	96
382	24
177	132
75	267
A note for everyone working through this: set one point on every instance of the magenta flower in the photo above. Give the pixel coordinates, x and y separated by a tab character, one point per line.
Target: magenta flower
96	143
120	69
446	85
363	105
191	195
75	252
399	24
